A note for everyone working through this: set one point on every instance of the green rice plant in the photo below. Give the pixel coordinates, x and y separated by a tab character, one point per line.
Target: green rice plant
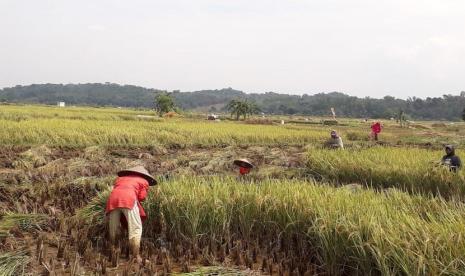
13	263
93	213
410	169
342	232
24	222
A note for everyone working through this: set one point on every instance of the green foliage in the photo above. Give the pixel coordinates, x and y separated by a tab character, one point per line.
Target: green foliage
13	263
243	108
164	103
463	114
24	222
447	107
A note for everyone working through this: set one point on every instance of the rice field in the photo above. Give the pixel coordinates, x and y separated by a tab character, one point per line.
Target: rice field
411	169
314	227
116	128
375	208
81	127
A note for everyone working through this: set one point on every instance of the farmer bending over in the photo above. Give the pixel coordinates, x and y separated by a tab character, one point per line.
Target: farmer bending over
335	142
244	166
450	159
129	190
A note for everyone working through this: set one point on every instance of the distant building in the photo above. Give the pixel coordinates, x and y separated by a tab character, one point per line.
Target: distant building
61	104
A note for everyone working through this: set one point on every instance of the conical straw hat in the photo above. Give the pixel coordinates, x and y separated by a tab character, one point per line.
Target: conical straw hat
243	163
139	170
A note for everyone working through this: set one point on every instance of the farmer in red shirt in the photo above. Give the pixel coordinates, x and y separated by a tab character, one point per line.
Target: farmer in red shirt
375	130
129	190
244	166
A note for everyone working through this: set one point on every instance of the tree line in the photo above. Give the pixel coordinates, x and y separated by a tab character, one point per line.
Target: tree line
446	107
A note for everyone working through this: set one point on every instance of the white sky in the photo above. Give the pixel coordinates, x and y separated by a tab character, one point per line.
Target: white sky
360	47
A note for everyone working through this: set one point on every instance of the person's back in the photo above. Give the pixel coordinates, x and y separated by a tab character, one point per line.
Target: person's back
375	130
127	191
335	142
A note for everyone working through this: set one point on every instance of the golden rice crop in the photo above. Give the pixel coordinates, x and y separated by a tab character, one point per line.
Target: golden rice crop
85	126
411	169
363	233
65	132
13	263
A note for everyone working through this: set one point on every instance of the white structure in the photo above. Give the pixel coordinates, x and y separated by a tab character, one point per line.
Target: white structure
212	117
61	104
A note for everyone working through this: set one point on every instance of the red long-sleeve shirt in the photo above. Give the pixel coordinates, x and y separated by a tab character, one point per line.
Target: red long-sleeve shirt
128	190
376	128
244	170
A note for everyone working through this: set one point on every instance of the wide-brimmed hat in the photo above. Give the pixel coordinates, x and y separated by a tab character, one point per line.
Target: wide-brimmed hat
243	163
141	171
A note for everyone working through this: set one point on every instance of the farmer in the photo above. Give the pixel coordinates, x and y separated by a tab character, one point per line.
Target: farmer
129	190
450	159
244	166
375	130
335	142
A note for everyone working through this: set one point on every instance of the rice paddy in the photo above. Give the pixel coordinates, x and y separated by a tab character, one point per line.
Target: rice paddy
375	208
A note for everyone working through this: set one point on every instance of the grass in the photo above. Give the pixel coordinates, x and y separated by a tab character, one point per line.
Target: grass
340	231
13	263
65	132
24	222
79	127
409	169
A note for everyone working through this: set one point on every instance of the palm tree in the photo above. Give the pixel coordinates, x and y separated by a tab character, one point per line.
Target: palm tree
240	108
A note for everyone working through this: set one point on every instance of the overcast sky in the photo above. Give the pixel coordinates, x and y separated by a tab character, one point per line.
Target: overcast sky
359	47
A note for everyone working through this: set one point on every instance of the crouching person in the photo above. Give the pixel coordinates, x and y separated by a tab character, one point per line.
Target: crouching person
450	159
335	141
244	166
130	188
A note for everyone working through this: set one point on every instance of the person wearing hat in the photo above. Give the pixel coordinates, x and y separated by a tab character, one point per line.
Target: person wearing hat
244	166
335	142
450	159
130	188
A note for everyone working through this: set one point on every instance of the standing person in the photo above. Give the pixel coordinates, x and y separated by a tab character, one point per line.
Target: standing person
335	142
244	166
450	159
129	190
375	130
